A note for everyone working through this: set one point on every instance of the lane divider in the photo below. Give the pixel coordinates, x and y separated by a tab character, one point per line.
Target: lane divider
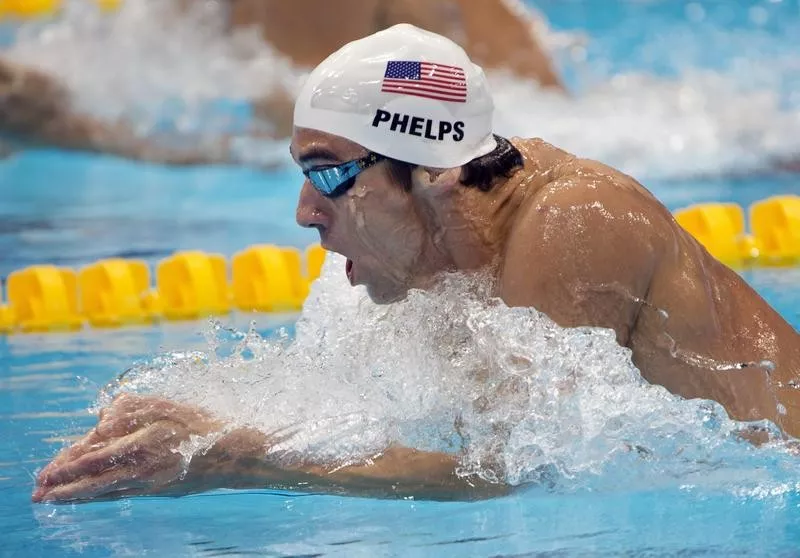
773	240
36	9
266	278
188	285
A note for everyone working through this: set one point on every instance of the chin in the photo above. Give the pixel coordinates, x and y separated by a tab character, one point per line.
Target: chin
385	296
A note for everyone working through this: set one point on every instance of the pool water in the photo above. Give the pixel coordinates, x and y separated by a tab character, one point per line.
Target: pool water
48	382
72	209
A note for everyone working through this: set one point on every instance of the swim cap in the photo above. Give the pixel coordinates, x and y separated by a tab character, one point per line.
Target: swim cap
405	93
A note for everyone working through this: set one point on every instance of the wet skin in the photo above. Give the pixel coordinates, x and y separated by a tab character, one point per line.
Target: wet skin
575	239
583	243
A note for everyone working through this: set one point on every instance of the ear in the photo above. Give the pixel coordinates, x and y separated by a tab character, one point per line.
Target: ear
431	181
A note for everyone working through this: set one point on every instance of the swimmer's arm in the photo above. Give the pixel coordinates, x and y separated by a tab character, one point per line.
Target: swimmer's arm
509	41
585	254
82	132
240	461
39	111
139	448
493	32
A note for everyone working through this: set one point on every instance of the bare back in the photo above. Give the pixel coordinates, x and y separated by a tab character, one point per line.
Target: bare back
591	246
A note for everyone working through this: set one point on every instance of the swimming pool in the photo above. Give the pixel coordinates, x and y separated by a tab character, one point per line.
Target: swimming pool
73	209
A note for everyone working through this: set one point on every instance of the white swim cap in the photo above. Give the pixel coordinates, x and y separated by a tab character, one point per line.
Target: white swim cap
405	93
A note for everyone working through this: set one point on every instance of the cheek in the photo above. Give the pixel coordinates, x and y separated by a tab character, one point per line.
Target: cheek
388	229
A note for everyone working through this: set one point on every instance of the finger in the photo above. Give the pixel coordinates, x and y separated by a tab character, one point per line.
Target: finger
131	479
116	424
131	401
91	442
128	402
122	481
144	448
129	412
121	451
94	440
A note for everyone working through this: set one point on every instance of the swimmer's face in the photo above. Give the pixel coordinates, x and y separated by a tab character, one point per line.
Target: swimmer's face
375	224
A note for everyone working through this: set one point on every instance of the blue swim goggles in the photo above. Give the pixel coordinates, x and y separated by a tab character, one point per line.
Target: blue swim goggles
334	180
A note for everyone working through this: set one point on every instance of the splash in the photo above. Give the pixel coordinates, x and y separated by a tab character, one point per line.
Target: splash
156	66
659	128
164	70
452	369
149	54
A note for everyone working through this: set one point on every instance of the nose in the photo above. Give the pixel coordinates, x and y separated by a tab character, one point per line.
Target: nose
310	208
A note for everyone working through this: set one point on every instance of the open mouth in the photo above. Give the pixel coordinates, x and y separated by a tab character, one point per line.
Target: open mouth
348	268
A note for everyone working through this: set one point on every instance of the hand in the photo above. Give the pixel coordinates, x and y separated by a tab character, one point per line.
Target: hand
133	450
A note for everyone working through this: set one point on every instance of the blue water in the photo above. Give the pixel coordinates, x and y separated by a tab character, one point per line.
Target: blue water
663	36
72	209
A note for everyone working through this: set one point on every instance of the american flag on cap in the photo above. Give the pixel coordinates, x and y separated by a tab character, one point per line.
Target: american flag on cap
425	79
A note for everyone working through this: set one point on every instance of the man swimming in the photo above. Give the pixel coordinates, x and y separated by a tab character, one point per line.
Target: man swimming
309	39
36	108
405	178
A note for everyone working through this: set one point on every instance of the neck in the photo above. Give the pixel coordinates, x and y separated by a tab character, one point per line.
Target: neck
470	227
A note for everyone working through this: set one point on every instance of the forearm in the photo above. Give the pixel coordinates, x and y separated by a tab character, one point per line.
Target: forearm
83	132
139	447
240	459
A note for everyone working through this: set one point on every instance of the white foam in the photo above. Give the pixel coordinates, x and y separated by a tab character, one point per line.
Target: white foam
149	65
655	127
161	70
428	372
452	370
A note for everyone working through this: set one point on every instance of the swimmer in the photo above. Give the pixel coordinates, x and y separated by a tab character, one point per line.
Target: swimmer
35	108
509	42
411	182
517	49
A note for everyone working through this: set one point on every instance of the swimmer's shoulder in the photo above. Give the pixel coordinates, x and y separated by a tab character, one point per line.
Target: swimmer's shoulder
541	157
548	165
561	178
569	194
577	227
553	164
